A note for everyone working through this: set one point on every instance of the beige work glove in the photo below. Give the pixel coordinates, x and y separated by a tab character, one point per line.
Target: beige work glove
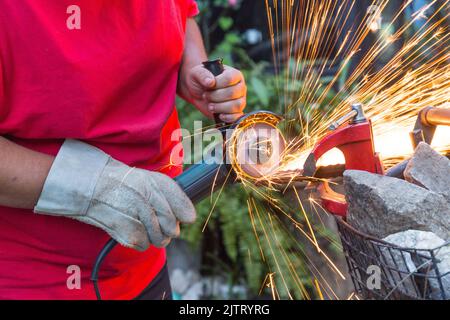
135	207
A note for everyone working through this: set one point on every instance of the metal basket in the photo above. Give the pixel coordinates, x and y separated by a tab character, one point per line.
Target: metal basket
403	274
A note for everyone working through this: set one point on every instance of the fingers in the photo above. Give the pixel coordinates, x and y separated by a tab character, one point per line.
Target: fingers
234	92
181	205
228	98
229	111
132	233
233	106
228	78
231	118
154	231
203	77
224	95
167	207
166	218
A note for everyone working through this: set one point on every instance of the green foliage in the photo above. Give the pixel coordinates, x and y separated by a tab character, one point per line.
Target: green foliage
260	90
225	23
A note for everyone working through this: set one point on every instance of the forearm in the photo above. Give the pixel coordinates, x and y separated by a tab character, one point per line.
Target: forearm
22	175
194	54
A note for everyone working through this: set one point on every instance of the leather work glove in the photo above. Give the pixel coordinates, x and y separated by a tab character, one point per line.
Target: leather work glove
135	207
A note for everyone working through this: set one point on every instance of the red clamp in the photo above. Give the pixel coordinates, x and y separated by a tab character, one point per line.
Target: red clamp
357	144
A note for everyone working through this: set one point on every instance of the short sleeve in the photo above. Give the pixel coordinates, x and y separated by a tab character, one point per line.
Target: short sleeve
2	86
192	8
2	70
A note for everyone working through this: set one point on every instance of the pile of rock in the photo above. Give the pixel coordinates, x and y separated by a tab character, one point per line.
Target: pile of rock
191	286
413	213
187	281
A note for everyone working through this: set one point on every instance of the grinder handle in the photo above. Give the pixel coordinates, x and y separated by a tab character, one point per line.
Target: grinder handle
216	67
200	180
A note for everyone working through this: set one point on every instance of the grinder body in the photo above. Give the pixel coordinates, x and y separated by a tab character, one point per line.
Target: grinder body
200	179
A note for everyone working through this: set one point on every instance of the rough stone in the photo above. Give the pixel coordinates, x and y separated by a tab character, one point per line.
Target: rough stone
195	292
180	255
381	206
416	262
430	170
219	288
182	280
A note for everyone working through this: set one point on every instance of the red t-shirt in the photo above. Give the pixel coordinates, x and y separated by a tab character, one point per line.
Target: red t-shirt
112	84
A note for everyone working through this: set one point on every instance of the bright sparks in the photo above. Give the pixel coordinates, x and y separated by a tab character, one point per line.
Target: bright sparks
395	68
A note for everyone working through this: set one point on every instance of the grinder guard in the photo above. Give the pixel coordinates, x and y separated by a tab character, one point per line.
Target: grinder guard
199	180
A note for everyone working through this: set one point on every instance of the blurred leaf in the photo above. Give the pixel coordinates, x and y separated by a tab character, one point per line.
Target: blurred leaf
225	23
260	90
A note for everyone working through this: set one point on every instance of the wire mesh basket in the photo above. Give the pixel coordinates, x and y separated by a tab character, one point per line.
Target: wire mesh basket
382	271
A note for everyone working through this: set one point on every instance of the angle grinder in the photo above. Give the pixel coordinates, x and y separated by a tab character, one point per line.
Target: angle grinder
252	149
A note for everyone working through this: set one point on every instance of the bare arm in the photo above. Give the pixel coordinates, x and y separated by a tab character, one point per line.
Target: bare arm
22	175
194	54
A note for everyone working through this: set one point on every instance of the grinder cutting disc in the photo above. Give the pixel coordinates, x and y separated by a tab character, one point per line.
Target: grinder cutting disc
257	146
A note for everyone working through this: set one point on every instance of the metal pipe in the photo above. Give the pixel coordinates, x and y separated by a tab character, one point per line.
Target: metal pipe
435	117
429	118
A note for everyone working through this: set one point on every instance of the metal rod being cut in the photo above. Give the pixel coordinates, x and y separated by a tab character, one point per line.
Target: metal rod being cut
429	119
335	125
356	115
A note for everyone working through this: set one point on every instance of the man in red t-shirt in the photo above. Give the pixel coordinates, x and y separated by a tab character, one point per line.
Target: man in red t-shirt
87	96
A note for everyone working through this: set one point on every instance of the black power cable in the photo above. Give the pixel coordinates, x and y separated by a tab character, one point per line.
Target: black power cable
98	263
